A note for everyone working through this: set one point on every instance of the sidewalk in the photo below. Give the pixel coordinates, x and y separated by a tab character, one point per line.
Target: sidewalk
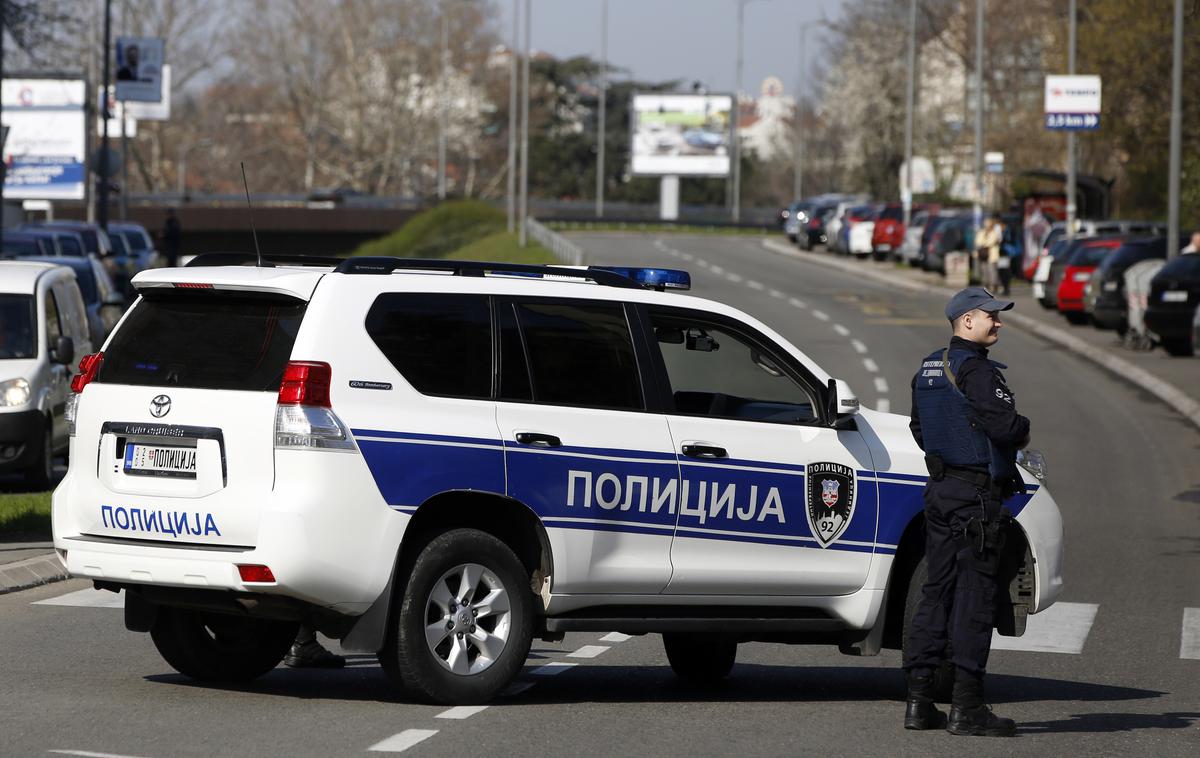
1173	381
28	564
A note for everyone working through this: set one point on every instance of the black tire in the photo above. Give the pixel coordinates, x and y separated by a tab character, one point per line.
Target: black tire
701	658
943	675
1076	318
422	668
214	647
40	475
1180	347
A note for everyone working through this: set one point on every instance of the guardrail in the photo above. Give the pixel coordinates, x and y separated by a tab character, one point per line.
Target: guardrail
564	249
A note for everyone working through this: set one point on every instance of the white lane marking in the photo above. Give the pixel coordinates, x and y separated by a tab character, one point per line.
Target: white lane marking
797	302
701	263
858	346
841	330
615	637
90	754
461	712
588	651
718	270
755	285
871	365
673	251
1189	646
821	315
881	384
735	278
776	294
552	669
516	688
884	405
1061	628
398	743
687	256
87	599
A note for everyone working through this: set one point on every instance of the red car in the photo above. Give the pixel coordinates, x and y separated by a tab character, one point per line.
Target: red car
1078	272
889	232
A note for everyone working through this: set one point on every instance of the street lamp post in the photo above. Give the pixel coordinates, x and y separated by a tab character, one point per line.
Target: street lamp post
906	190
1176	120
978	206
603	98
737	118
443	96
524	200
798	184
1071	209
512	120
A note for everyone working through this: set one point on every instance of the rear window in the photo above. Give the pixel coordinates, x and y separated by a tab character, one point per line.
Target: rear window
21	247
206	339
135	239
18	330
1127	255
70	246
1183	267
893	214
1092	253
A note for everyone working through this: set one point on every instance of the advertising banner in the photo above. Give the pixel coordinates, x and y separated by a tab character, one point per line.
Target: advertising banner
681	135
139	69
44	152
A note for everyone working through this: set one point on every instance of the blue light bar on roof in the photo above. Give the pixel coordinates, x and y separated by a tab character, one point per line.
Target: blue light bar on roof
652	278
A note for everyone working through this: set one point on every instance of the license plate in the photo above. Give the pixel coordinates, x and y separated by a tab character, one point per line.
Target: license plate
160	460
1175	296
884	248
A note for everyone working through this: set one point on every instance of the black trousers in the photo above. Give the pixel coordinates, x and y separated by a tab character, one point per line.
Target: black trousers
957	609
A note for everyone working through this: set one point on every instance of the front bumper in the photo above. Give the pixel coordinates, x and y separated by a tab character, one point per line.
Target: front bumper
1042	523
20	439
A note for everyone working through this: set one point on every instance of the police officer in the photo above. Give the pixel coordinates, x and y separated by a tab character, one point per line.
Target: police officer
965	420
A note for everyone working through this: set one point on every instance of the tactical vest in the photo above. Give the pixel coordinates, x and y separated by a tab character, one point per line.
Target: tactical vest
950	428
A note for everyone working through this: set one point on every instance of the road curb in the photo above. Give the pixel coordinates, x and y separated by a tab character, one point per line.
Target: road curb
31	572
1165	392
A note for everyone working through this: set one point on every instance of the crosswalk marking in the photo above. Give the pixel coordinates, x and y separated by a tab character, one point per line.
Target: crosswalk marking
1189	646
1061	628
588	651
87	599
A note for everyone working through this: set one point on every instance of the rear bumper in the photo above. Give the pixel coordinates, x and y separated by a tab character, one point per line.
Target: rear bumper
1169	324
20	439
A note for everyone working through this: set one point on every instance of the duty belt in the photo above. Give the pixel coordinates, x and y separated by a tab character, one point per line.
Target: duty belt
980	479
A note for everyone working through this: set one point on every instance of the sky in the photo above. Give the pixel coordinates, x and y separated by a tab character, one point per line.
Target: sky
658	40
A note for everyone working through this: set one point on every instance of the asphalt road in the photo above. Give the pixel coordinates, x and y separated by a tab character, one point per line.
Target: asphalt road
1122	468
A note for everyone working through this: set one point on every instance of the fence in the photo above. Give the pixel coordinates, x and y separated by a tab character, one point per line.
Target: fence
565	250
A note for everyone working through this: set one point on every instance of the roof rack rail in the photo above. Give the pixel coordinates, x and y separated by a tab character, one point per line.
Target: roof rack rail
386	265
250	259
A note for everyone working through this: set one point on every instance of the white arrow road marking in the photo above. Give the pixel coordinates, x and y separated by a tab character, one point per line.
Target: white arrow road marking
1189	646
1061	628
398	743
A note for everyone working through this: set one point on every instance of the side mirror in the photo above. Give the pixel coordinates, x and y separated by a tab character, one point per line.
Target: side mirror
64	351
841	400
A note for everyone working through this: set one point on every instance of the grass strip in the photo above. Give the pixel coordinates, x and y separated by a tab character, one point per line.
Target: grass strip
25	513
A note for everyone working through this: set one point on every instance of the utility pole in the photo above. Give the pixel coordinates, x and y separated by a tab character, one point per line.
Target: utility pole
1176	120
603	97
906	190
105	115
737	117
524	201
798	184
978	207
443	95
511	194
124	198
1071	209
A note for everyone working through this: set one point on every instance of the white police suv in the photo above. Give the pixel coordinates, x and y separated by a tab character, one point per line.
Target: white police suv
438	461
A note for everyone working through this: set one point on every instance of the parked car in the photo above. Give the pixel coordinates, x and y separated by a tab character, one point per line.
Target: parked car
888	233
955	235
836	229
1069	280
1171	307
814	227
103	302
95	239
791	219
43	334
25	243
910	249
1104	296
1090	228
140	244
860	225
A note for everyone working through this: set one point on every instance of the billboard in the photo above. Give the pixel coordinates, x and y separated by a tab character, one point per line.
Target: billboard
45	150
681	135
1072	102
139	69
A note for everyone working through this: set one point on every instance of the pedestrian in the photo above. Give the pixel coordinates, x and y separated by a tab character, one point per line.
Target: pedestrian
987	246
1193	246
171	232
965	419
308	653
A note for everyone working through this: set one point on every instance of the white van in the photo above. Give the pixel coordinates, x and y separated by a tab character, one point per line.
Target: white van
43	335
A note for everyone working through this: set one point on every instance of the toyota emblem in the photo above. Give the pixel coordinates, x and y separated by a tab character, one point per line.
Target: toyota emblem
160	406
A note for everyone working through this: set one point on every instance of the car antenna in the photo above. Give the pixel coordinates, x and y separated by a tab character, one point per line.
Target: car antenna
250	211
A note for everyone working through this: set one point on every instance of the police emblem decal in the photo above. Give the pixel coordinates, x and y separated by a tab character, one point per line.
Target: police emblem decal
830	500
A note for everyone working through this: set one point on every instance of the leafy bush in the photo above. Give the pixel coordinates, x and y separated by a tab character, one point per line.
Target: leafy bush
438	231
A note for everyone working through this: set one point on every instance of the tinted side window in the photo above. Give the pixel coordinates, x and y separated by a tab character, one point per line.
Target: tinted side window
441	344
719	372
514	364
53	324
581	353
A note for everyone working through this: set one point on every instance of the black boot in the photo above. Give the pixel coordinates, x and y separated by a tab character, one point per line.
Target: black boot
307	653
969	715
921	713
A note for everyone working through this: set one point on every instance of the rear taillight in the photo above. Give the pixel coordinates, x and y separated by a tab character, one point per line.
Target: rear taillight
304	418
88	366
255	574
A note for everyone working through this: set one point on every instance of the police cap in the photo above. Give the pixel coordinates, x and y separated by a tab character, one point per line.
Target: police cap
974	297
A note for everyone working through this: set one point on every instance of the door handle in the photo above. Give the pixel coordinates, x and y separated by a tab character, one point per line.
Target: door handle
704	451
537	439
